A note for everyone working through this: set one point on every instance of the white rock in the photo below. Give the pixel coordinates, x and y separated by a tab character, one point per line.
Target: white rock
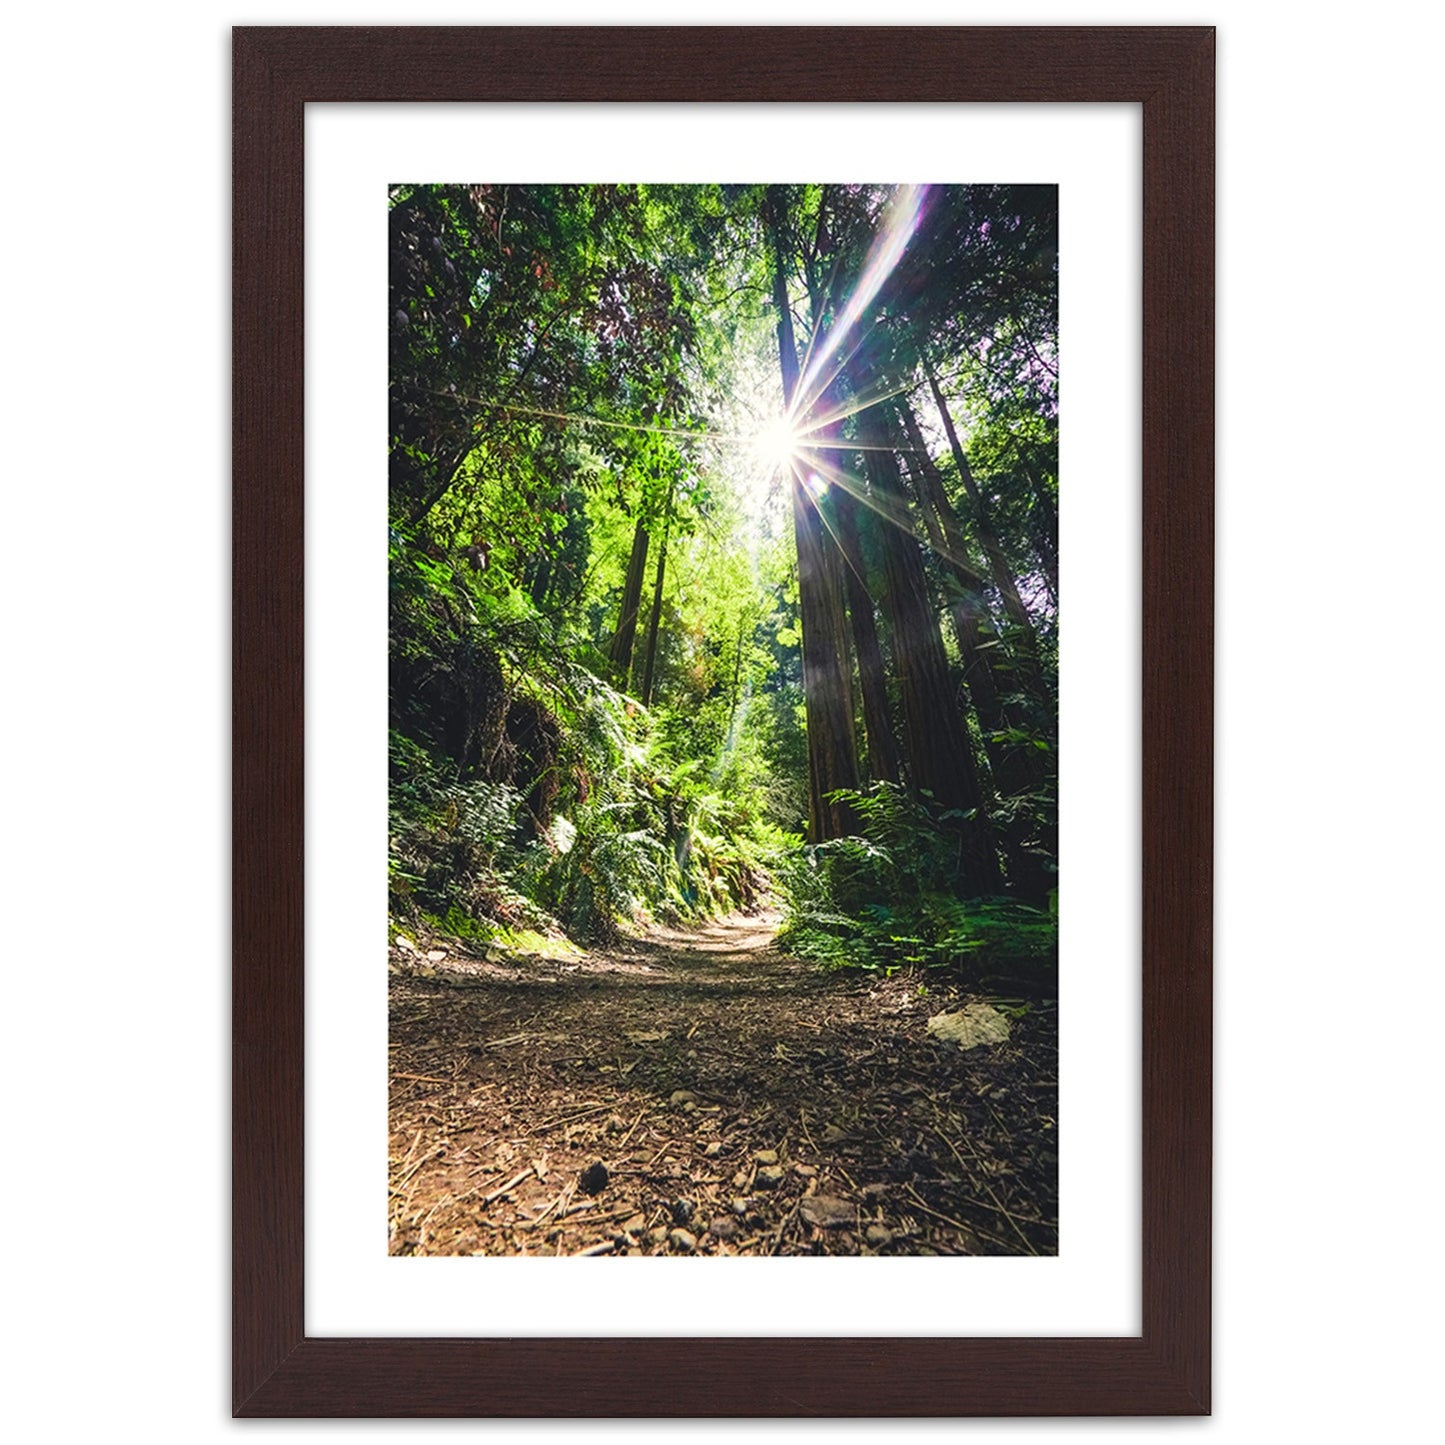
972	1026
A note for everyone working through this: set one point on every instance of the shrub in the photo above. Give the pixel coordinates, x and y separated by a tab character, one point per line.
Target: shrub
889	898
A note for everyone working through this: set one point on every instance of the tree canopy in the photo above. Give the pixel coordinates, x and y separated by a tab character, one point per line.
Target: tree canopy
724	562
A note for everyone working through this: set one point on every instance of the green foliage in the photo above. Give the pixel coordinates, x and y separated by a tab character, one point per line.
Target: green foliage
889	898
527	792
573	368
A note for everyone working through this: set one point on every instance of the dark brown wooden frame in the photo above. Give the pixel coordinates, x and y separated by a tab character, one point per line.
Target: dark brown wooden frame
280	1372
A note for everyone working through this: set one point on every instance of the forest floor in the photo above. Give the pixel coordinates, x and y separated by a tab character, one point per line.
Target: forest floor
696	1091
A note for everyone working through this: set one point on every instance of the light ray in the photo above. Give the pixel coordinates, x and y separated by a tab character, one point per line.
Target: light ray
904	210
894	511
813	488
702	434
842	412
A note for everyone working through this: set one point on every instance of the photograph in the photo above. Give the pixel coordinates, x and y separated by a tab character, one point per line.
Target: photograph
723	606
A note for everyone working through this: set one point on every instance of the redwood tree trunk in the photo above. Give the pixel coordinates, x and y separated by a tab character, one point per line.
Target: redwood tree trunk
877	723
1045	520
650	660
1017	769
625	637
940	757
827	671
998	566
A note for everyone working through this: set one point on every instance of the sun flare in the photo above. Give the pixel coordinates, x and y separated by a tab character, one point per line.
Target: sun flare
777	443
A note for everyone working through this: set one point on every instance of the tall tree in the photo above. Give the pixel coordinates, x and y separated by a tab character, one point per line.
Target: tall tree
999	569
827	674
877	723
654	622
624	638
1044	530
940	757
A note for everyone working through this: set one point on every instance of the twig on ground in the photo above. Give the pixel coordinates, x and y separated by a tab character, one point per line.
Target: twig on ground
567	1118
803	1125
411	1173
938	1214
998	1203
787	1220
510	1039
563	1196
496	1194
621	1146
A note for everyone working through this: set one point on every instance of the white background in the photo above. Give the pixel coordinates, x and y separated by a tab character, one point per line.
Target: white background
116	264
1093	154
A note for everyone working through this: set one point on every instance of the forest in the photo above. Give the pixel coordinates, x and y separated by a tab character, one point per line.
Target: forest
724	600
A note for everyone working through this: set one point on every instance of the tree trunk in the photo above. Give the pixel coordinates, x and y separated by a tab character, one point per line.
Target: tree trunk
541	582
940	757
998	565
655	620
882	747
1045	519
447	467
625	637
827	673
1017	768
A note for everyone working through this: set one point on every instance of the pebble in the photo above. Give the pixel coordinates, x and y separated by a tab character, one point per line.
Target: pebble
724	1228
635	1225
832	1134
593	1179
766	1156
682	1096
879	1234
681	1239
805	1170
823	1211
405	944
435	955
740	1179
682	1211
657	1234
712	1150
768	1177
739	1207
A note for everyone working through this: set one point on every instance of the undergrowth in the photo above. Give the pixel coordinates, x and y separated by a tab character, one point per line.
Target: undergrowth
889	898
527	793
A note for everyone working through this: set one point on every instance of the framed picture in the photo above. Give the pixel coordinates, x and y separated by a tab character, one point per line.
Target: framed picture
845	414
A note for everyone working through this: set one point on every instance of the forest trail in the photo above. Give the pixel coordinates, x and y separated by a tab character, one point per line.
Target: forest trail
697	1091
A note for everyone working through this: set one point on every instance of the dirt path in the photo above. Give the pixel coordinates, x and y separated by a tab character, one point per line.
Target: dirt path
699	1092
